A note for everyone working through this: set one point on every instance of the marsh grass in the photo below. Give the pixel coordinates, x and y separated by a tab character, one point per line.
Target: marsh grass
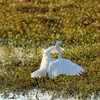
41	23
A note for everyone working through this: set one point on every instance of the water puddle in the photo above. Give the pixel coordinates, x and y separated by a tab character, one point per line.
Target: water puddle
36	94
33	95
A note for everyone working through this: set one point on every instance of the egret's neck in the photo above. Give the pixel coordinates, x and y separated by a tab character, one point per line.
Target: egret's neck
47	52
59	51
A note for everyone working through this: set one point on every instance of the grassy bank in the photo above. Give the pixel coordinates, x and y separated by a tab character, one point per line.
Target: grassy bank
41	23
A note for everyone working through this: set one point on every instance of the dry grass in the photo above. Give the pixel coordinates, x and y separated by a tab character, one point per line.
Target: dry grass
41	23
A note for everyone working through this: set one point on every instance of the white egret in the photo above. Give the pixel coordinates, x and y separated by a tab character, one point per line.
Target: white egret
44	63
55	67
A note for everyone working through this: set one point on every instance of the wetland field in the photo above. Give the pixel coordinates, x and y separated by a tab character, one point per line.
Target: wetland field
27	27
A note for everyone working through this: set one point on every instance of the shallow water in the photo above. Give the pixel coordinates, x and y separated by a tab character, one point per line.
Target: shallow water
33	95
6	51
36	94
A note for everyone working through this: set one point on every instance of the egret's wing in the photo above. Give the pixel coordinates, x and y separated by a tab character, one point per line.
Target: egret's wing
43	69
63	66
49	66
38	73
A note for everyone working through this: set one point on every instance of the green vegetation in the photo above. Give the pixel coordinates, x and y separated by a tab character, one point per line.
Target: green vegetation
41	23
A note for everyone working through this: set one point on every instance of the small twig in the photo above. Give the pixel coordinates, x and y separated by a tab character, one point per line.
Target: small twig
53	95
37	82
37	95
54	90
38	87
54	82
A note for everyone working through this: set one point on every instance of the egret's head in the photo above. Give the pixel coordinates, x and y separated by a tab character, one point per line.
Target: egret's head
61	42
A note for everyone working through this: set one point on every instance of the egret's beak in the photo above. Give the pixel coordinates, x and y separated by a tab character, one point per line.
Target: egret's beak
67	44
